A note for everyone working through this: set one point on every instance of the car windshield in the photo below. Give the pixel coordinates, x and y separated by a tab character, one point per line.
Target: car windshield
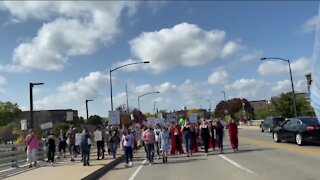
310	121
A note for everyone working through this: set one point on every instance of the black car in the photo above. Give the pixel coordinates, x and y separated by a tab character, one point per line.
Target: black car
270	123
300	130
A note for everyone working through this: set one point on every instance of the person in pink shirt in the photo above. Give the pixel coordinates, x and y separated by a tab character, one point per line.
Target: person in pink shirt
32	144
149	140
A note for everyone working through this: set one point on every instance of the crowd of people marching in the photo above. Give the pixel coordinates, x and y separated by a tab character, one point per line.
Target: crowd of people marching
158	140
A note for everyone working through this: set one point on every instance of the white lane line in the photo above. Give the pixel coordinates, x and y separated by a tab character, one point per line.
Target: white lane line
137	170
237	165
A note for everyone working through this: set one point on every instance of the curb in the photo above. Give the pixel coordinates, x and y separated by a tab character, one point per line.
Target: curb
103	170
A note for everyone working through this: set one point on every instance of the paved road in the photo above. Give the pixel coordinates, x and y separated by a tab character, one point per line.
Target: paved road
259	158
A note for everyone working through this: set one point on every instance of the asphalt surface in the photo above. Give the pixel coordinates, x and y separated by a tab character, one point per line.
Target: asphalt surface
259	158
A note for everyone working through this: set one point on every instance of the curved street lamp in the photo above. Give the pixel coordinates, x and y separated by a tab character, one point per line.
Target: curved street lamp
293	93
111	70
31	102
155	92
88	100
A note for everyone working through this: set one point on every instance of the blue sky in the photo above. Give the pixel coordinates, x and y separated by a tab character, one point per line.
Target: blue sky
195	49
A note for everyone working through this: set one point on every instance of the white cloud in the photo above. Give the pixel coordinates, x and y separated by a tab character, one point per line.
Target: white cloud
193	91
184	44
255	55
78	28
301	86
158	99
166	87
247	88
282	86
144	88
300	67
3	81
89	87
230	49
219	77
311	24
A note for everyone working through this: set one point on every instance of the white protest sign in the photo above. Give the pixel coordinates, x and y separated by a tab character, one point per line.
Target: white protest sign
193	118
23	124
160	121
171	117
69	116
47	125
152	121
114	117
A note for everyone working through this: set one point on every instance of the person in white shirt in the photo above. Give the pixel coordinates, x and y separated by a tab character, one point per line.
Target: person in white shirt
157	132
99	142
127	144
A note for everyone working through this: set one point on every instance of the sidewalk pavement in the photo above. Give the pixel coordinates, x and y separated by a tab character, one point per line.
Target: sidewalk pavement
249	127
66	169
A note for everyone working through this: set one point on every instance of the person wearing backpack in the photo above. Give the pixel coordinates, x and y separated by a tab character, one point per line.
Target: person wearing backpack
32	144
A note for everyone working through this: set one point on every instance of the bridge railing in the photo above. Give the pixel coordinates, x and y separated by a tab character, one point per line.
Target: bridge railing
13	155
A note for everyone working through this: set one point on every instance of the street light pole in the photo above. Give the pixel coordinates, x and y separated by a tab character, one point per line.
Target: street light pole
224	95
31	102
87	100
293	92
111	70
155	92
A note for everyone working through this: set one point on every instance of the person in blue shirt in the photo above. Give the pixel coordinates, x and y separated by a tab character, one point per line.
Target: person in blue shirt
164	143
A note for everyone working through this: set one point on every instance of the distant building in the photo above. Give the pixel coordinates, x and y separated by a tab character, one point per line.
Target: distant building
304	94
45	116
259	105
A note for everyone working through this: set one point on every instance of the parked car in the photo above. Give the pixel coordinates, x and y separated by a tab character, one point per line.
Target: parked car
300	130
270	123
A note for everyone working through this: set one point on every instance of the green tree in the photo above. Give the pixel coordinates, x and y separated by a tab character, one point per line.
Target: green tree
61	125
95	120
233	106
9	112
283	105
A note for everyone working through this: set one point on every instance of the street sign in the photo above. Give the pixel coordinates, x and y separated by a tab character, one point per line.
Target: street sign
114	117
69	116
23	124
47	125
193	118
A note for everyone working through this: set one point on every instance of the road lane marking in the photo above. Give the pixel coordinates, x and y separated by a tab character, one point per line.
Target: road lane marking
236	164
137	170
287	147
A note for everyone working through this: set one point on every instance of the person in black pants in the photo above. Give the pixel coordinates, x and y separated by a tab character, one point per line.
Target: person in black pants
85	147
98	136
205	136
219	135
51	148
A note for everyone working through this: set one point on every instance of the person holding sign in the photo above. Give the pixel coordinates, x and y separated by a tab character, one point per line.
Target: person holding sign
99	142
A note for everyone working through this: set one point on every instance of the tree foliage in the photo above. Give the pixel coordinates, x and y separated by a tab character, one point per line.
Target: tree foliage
284	105
9	112
95	120
233	106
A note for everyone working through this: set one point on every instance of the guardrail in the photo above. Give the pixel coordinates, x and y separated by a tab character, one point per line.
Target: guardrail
13	155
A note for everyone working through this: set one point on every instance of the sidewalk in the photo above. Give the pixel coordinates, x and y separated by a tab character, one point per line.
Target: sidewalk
66	169
249	127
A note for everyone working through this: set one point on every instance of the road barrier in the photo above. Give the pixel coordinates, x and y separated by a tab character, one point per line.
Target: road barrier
13	155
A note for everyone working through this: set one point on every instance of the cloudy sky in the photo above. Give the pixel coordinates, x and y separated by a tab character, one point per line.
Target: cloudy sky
195	49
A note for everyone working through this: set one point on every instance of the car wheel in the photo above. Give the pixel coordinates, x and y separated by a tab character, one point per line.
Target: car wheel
275	137
299	139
